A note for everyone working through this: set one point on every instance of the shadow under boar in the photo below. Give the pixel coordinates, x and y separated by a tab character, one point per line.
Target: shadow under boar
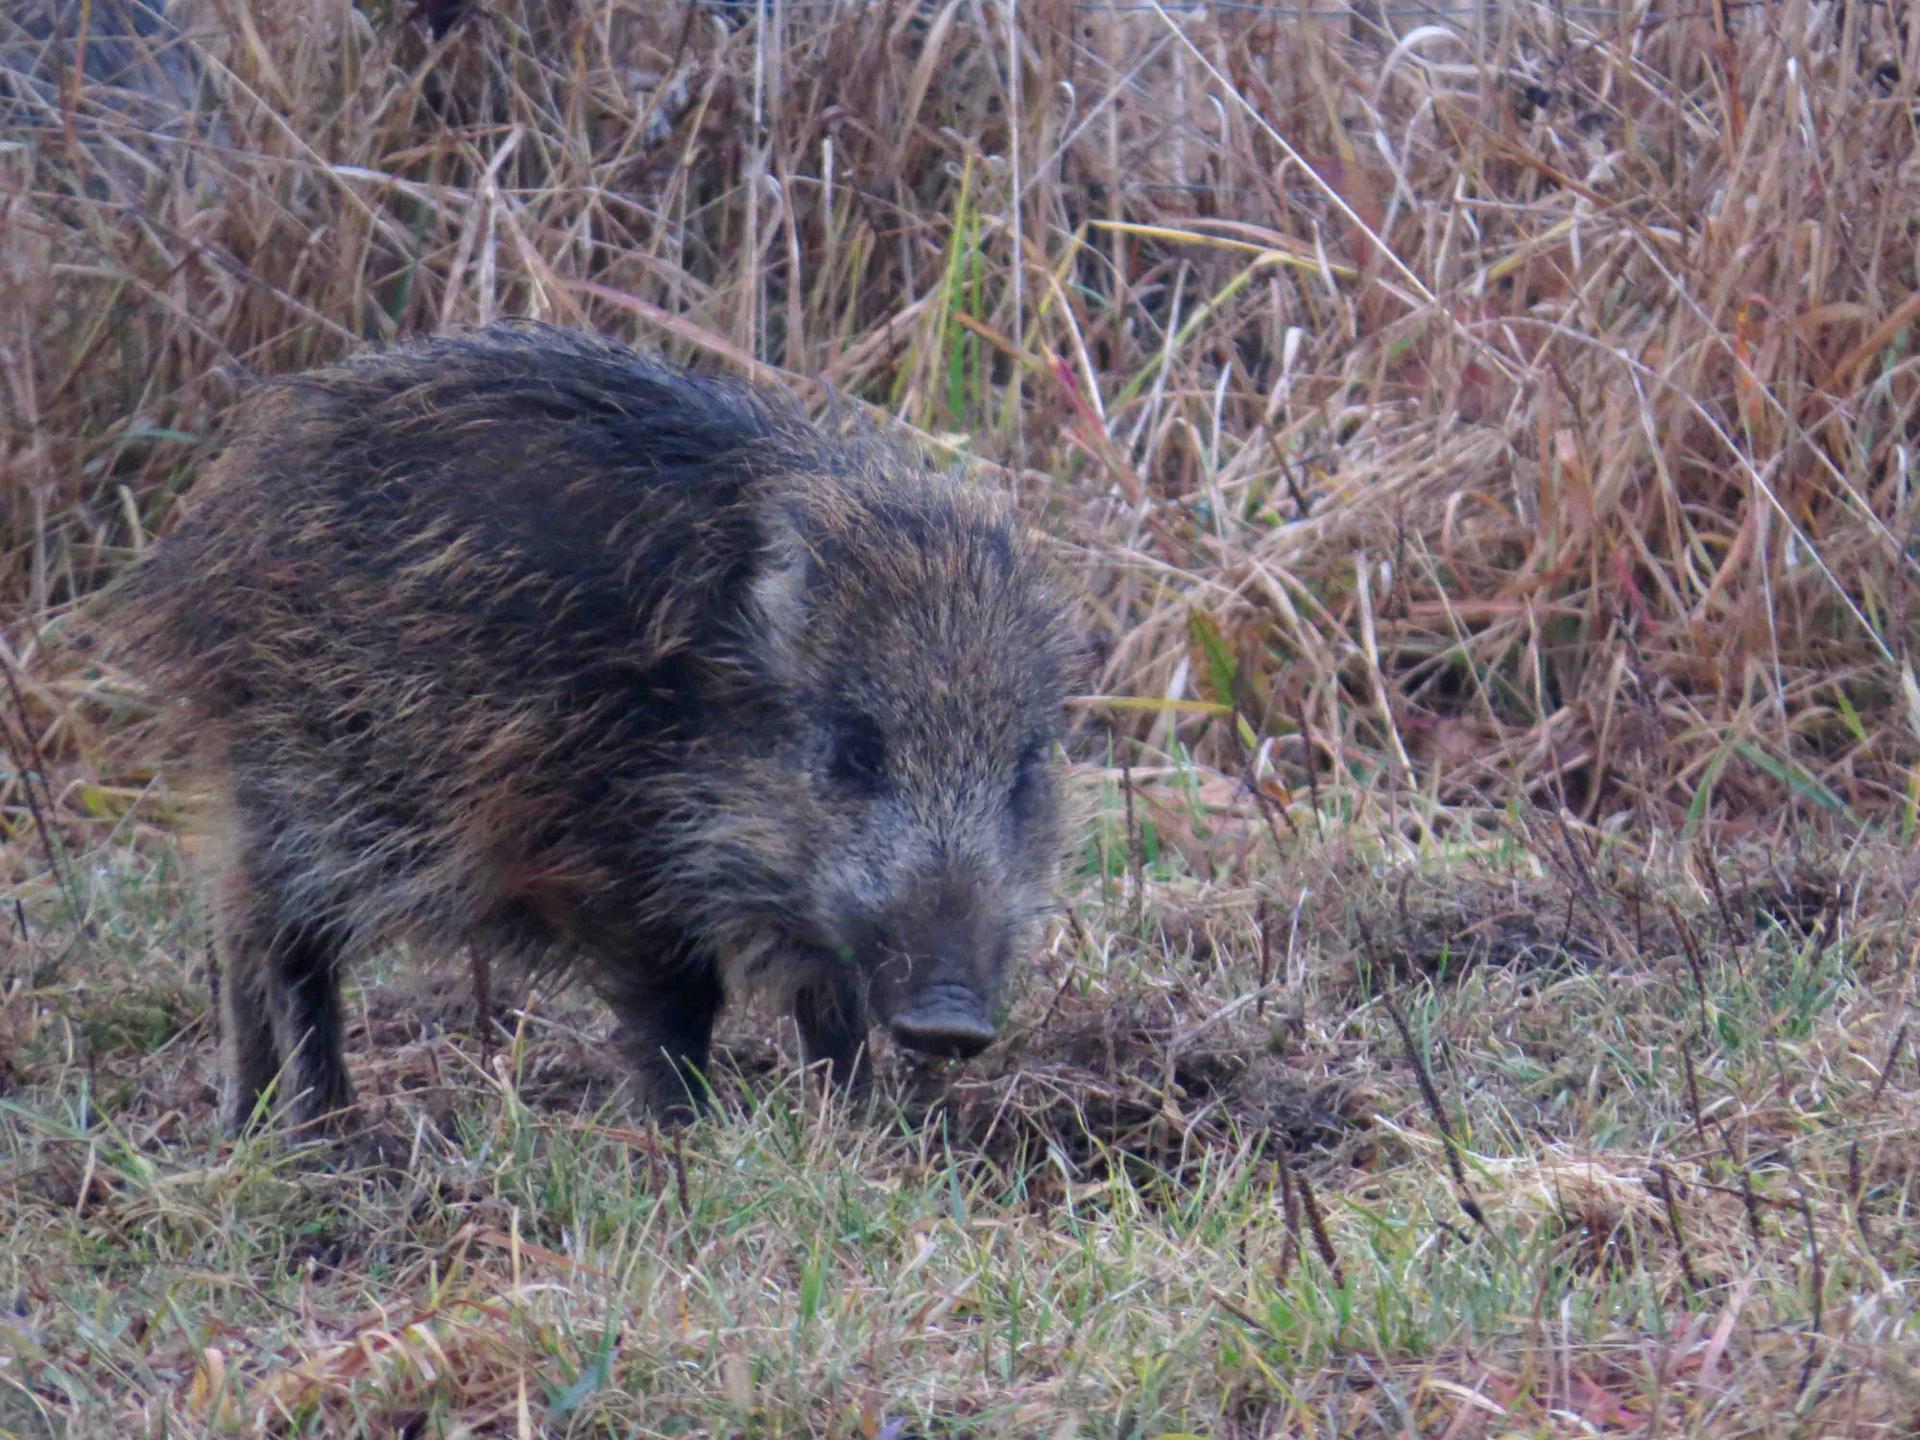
527	640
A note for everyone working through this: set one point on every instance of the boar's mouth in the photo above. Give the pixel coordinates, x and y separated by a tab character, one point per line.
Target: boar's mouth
949	1021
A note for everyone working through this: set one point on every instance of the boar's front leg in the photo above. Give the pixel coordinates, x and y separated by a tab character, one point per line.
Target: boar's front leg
832	1017
666	1031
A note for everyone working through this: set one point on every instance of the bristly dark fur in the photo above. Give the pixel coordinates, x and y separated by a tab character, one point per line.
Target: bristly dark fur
523	638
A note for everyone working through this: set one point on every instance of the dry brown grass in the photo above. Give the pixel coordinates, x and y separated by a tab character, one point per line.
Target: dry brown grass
1517	407
1487	434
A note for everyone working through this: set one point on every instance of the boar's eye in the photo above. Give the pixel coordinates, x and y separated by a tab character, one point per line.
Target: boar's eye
1029	773
859	753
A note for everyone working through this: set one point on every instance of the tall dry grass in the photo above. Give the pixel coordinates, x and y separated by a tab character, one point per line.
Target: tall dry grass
1444	403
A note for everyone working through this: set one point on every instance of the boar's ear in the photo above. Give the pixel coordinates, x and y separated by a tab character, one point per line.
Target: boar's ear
782	572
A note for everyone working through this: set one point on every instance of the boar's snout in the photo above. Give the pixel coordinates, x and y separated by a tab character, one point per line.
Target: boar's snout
938	989
950	1021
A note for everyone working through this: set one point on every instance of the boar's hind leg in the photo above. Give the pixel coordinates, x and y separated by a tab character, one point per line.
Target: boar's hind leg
280	1008
833	1027
306	1012
666	1029
249	1058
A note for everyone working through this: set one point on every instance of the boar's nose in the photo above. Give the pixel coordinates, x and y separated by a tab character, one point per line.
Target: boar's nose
949	1021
